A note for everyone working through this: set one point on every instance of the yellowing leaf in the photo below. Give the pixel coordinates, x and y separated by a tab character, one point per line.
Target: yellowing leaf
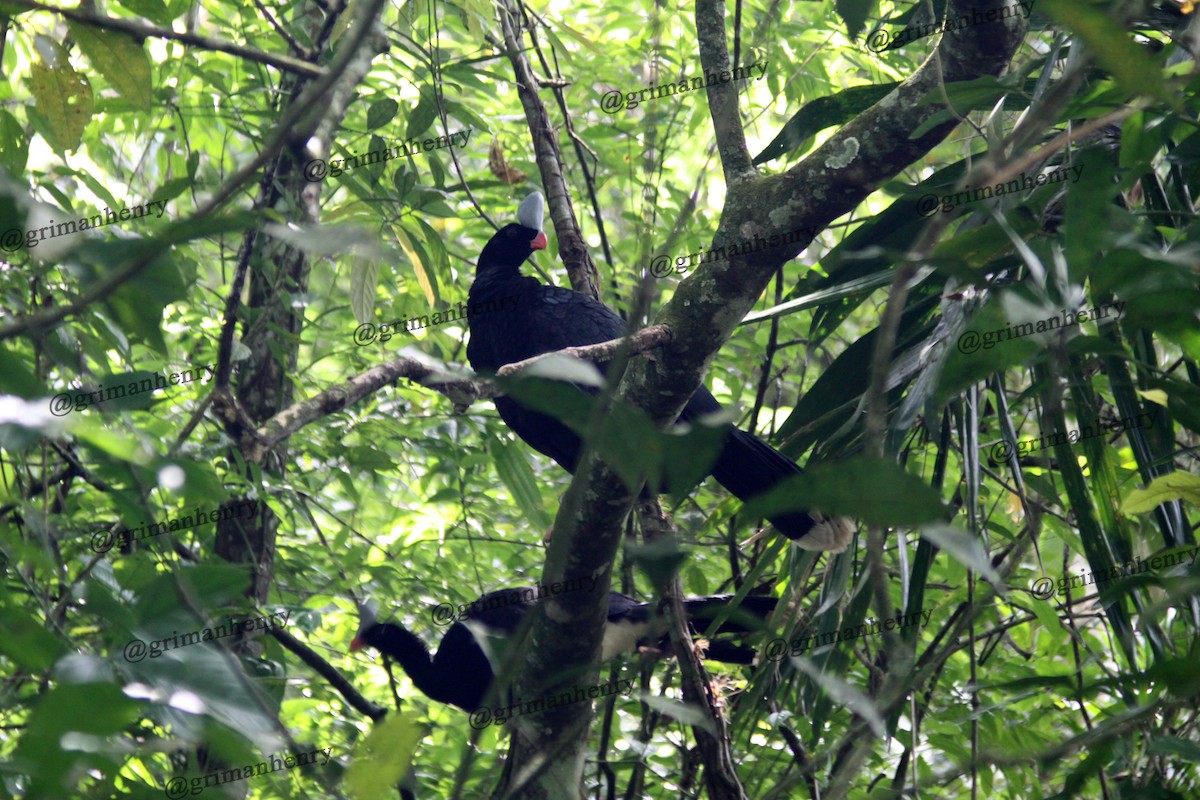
382	758
364	277
419	268
64	98
1163	489
120	59
1154	396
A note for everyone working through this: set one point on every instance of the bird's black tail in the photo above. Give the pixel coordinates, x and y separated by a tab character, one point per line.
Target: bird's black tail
749	615
748	466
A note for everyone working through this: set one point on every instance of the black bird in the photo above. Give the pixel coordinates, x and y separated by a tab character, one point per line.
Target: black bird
547	318
473	648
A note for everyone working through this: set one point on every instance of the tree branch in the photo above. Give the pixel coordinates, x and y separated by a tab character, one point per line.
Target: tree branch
571	246
144	30
703	311
329	673
463	391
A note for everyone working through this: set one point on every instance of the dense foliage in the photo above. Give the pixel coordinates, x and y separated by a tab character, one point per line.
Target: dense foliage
195	239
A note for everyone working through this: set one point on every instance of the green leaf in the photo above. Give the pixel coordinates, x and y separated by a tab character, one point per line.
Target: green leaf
120	59
382	758
56	719
990	344
381	112
14	145
364	278
819	114
1174	746
687	714
875	491
1110	44
565	368
327	240
16	377
515	473
172	189
26	641
375	170
965	548
138	304
1163	489
423	115
127	391
854	14
64	99
843	694
154	10
404	180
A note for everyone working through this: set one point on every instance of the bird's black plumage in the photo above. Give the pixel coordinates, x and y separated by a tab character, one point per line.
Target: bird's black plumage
547	318
471	651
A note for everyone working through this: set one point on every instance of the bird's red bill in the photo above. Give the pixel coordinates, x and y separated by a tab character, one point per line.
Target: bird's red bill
539	241
356	644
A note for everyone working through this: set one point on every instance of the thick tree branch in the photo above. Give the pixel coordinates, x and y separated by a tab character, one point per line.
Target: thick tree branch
647	338
705	309
722	95
462	390
571	246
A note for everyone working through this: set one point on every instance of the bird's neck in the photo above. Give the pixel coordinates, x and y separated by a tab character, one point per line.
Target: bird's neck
413	656
494	277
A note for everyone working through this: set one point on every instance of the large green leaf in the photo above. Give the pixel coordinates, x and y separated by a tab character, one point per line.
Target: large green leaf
120	59
1173	486
64	100
874	491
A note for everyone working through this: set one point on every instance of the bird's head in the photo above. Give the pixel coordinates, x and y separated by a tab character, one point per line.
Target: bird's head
368	613
515	242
